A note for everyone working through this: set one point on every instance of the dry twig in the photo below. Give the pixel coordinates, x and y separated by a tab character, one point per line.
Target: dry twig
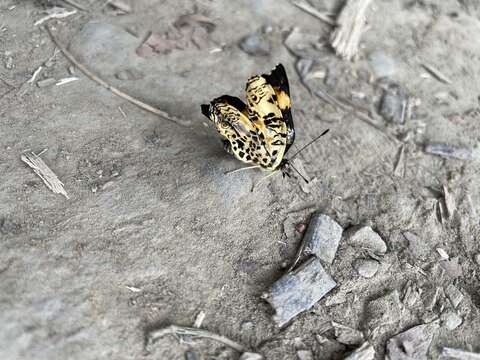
114	90
187	331
305	6
437	74
44	172
350	25
55	15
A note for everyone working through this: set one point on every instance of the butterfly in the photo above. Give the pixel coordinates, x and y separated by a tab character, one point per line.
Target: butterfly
261	131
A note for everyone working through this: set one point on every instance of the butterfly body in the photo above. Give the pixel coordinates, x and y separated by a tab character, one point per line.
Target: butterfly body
261	131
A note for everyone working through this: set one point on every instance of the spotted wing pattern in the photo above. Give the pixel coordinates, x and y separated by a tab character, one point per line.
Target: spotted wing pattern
261	131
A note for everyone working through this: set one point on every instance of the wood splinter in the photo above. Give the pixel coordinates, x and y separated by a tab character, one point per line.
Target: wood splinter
350	25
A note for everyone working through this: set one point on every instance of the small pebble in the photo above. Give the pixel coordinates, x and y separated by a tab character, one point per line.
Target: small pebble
304	355
322	237
190	355
255	45
451	320
394	104
250	356
300	227
46	82
366	268
477	258
365	238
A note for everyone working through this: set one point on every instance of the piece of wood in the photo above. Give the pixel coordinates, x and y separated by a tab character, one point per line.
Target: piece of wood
299	290
44	172
350	26
187	331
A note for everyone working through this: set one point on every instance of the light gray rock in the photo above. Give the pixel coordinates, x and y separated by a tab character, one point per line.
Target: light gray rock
454	295
250	356
304	355
451	320
459	354
365	238
364	352
346	335
322	237
299	290
477	259
365	267
412	343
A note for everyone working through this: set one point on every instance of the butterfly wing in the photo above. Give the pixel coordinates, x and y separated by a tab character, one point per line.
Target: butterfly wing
279	81
229	114
268	107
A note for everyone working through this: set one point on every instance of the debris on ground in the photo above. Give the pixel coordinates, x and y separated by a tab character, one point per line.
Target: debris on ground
411	294
180	331
364	352
363	237
120	6
454	295
449	200
449	151
437	73
350	25
443	254
323	16
346	335
304	355
199	319
44	172
304	45
394	104
66	80
413	343
250	356
322	237
46	82
458	354
451	320
366	268
55	13
299	290
190	355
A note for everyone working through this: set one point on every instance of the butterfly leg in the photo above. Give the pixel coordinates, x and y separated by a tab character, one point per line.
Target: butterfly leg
263	179
241	169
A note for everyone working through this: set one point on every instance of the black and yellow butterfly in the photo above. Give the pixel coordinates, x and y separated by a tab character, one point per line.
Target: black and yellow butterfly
261	131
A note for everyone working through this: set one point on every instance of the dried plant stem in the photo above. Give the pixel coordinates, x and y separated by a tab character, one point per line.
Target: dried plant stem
44	172
187	331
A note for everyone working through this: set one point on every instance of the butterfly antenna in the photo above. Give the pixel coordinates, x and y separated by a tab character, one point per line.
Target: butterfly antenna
298	172
310	143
